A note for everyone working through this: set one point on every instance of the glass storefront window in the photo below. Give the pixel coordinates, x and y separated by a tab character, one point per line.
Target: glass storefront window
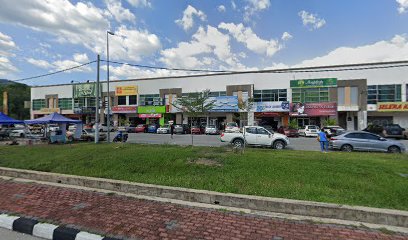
270	95
132	100
38	104
383	93
121	100
65	103
310	95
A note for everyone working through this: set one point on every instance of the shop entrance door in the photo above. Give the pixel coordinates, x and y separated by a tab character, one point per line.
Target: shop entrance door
303	122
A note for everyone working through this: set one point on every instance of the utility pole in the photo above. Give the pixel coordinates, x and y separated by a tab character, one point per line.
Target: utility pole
97	102
107	82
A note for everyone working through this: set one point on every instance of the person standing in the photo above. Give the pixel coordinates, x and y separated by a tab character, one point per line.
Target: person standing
172	130
323	140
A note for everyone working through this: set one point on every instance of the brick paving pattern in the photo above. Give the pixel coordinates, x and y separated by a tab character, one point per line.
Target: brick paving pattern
141	219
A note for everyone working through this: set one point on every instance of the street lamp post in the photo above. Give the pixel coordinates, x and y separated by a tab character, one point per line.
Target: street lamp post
107	81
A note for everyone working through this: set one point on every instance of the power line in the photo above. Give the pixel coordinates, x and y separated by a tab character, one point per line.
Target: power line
52	73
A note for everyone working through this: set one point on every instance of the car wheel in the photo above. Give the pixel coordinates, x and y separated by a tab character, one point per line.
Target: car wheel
279	145
394	149
346	148
238	143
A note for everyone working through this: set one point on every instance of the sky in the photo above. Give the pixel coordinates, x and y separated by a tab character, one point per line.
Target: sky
43	36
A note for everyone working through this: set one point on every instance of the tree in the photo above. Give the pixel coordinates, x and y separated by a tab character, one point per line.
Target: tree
329	122
195	104
245	106
17	94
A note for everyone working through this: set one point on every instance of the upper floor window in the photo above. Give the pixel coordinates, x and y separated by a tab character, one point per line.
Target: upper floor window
38	104
150	99
310	95
217	94
65	103
270	95
133	100
122	100
383	93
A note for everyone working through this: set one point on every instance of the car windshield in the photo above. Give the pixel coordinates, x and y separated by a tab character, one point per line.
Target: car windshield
312	127
232	125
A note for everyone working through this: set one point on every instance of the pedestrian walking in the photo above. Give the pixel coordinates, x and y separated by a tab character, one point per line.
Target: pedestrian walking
171	130
323	140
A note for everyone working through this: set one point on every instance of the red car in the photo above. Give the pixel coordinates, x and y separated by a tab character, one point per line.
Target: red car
141	128
291	132
196	130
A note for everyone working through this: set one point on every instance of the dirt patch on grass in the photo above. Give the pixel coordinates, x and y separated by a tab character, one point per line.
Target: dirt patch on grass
206	162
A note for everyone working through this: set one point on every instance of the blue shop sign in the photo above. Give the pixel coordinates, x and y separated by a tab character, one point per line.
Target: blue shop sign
271	106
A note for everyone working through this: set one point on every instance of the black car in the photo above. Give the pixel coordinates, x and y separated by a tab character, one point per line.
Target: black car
181	129
389	130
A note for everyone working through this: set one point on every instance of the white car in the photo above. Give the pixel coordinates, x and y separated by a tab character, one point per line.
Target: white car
20	132
309	131
232	127
164	129
211	129
256	136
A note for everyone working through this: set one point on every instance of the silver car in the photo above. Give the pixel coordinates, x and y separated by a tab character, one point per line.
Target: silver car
364	141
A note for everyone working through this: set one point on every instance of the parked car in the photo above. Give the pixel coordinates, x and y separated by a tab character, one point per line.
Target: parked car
5	133
152	128
333	130
86	135
373	128
309	131
195	129
388	131
268	127
19	132
291	132
211	129
141	128
232	127
256	136
131	128
365	141
165	129
181	129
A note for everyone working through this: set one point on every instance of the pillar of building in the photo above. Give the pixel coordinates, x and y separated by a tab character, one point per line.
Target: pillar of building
179	118
229	117
251	119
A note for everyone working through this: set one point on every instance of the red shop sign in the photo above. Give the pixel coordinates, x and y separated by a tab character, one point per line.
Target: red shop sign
150	115
123	109
313	109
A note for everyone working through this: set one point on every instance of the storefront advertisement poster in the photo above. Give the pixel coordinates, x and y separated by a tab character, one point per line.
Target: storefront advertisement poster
224	104
313	109
392	107
271	106
125	90
313	83
151	109
152	115
124	109
84	90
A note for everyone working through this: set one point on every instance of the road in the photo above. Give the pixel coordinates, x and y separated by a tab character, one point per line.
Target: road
301	143
10	235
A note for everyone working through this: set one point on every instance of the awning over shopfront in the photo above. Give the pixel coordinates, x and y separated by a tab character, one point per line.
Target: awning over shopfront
4	119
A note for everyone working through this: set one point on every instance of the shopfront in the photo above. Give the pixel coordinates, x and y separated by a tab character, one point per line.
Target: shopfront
152	114
126	114
312	113
274	114
389	113
124	111
85	101
222	111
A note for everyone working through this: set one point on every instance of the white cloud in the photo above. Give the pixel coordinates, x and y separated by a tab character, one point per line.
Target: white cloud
39	63
255	6
395	49
81	58
286	36
120	13
81	23
311	20
7	46
221	8
130	72
205	44
140	3
402	6
246	36
187	21
63	64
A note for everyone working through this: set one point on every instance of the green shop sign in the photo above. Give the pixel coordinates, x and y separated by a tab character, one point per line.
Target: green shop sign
151	109
85	90
312	83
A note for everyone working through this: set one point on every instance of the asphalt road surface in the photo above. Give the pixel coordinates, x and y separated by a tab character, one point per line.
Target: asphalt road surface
301	143
10	235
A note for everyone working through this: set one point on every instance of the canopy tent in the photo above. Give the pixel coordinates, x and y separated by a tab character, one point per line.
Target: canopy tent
52	118
4	119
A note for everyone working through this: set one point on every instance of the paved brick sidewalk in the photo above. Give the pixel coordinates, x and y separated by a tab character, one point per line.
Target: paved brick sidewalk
142	219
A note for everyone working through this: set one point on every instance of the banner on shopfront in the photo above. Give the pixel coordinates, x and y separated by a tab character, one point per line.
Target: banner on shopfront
271	106
123	109
151	109
85	90
125	90
224	104
313	109
392	107
314	83
150	115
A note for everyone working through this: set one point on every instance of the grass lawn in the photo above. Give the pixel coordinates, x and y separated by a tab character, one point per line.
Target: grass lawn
365	179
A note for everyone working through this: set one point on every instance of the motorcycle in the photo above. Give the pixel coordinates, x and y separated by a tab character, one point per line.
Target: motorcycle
120	137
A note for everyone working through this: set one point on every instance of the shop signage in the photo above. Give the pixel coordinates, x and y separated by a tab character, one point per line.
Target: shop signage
85	110
50	110
126	90
314	83
313	109
151	109
271	106
224	104
123	109
85	90
392	107
152	115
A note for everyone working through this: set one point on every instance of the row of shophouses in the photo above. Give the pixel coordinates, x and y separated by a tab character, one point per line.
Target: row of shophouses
354	98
